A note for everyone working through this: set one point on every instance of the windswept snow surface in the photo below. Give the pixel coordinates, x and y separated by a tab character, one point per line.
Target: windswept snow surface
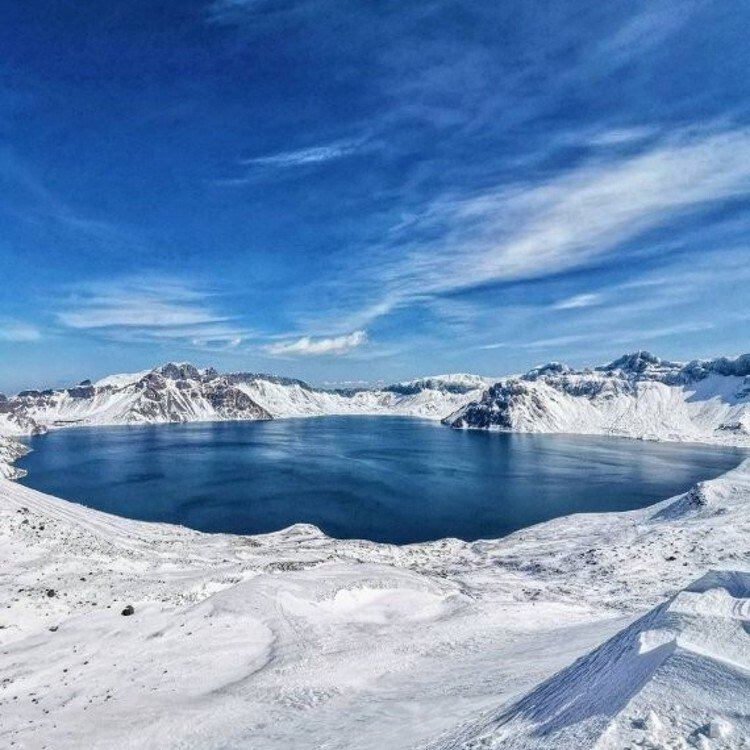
638	395
677	677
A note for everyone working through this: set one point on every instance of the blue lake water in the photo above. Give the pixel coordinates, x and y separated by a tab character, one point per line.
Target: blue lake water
386	479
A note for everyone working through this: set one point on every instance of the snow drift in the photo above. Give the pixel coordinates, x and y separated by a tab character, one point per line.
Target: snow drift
664	681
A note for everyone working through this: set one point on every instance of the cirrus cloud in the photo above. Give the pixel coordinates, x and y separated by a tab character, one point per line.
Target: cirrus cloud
156	309
578	301
300	157
536	229
18	331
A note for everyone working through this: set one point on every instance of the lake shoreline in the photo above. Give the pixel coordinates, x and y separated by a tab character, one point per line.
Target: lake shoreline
393	481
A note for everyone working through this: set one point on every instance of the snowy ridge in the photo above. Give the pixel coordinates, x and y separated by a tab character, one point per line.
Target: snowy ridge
121	380
183	393
430	398
658	683
638	396
171	393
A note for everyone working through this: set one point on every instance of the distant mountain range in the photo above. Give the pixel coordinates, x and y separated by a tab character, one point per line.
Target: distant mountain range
637	395
184	393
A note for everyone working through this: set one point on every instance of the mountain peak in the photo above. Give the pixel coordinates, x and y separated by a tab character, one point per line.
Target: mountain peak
638	361
179	371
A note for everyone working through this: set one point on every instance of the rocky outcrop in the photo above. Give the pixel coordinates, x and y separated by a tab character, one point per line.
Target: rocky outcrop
10	450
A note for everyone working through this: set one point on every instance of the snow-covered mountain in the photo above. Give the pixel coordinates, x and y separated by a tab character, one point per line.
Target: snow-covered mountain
183	393
14	420
637	395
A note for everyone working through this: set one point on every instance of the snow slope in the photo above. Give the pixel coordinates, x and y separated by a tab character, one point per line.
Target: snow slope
637	396
430	398
677	677
295	640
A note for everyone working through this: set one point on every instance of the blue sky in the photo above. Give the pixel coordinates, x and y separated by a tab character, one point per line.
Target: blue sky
359	191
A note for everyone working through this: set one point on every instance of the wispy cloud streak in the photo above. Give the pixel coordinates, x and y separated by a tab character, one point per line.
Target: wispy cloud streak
305	156
155	309
18	331
578	301
534	230
307	346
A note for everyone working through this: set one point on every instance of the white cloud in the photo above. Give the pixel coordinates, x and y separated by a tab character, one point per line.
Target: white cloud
136	312
583	214
138	303
18	331
313	155
151	309
621	136
534	230
648	28
578	301
558	341
307	346
496	345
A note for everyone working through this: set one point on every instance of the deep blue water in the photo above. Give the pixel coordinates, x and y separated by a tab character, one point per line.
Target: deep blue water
381	478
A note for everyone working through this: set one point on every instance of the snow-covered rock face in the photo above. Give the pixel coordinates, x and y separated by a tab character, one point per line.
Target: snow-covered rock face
14	420
637	395
172	393
10	450
183	393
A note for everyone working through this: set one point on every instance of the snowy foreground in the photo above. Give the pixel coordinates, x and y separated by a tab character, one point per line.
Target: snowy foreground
608	631
295	640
